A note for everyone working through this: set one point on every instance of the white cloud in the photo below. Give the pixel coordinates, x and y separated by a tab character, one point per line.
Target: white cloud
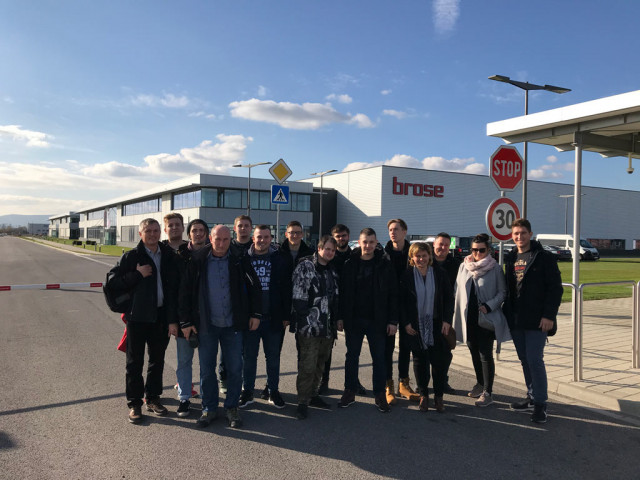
395	113
201	114
551	170
464	165
7	100
30	137
385	92
262	91
445	15
306	116
168	100
344	98
38	205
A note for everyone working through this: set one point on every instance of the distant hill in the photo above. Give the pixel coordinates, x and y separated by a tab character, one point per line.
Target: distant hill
22	220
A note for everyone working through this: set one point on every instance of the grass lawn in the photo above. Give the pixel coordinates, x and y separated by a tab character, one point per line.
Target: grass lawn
112	250
604	270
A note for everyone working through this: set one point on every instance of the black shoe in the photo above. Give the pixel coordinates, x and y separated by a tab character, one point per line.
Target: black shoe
276	400
301	411
323	389
233	417
135	415
449	390
381	403
184	408
539	414
319	403
156	407
526	404
361	390
348	397
264	394
246	398
206	418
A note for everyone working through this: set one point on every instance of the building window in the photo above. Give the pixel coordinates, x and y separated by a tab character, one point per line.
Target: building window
94	233
186	200
128	234
96	215
301	202
138	208
233	198
209	197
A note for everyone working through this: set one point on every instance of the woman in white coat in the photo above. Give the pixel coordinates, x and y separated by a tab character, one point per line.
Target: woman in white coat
478	319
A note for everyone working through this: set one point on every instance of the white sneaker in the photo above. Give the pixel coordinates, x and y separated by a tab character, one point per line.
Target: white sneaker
484	400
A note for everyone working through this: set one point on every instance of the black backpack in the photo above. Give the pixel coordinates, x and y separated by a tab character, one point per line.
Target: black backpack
117	300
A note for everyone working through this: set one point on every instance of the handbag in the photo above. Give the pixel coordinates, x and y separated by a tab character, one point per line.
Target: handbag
451	339
485	322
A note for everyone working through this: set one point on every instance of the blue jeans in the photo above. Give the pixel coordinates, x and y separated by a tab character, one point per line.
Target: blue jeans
231	344
530	348
377	344
184	369
271	346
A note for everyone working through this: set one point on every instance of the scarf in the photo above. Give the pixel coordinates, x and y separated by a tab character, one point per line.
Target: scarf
425	291
479	268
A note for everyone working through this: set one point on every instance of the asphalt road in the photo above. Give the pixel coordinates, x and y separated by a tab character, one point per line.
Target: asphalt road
63	412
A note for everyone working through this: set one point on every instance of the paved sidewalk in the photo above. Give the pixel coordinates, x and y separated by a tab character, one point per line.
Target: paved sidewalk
609	382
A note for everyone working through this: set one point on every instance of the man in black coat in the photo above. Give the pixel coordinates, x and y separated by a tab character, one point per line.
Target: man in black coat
150	273
534	293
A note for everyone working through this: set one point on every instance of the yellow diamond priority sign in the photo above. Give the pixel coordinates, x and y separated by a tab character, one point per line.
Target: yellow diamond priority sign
280	171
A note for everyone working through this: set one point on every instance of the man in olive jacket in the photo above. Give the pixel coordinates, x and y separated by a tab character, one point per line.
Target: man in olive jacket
150	273
534	293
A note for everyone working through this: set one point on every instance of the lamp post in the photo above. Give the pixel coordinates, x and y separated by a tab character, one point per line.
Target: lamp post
250	166
526	86
566	210
321	175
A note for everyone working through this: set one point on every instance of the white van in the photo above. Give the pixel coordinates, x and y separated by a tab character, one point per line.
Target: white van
587	251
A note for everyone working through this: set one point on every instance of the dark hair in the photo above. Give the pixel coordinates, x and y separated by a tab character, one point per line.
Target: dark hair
146	222
402	223
339	228
444	235
482	238
420	246
262	226
172	215
197	221
326	238
294	223
521	222
368	231
242	217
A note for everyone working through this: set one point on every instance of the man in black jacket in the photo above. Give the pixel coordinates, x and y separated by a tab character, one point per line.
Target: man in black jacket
150	273
534	293
294	245
220	298
368	306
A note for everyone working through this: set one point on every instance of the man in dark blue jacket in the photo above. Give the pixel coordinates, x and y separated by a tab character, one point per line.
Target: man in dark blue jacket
534	293
220	298
149	272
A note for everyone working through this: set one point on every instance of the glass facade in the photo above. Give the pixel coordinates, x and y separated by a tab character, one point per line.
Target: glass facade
147	206
237	198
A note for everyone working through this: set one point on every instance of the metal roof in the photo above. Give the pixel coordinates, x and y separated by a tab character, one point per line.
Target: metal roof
609	126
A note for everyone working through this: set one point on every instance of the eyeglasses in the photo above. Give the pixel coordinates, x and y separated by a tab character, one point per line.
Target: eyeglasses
294	232
478	250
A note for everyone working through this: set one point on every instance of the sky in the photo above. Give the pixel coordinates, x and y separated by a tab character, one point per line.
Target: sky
103	99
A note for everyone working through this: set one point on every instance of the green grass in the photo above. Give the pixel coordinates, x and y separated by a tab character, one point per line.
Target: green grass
113	250
604	270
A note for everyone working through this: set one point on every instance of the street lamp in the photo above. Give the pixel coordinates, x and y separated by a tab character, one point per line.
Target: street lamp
321	175
250	166
526	86
566	210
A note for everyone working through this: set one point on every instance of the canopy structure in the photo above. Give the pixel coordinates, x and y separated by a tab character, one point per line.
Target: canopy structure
609	126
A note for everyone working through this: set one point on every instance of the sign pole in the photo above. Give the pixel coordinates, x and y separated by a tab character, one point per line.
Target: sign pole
278	223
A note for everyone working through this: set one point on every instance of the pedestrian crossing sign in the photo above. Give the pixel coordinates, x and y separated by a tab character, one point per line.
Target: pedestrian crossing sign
280	194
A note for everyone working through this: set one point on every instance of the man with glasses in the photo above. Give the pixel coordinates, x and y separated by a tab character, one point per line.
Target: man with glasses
294	245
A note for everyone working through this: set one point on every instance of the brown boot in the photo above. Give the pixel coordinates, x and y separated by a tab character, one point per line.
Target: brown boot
424	403
405	390
391	396
439	404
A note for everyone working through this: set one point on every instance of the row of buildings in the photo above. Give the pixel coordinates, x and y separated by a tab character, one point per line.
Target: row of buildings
429	201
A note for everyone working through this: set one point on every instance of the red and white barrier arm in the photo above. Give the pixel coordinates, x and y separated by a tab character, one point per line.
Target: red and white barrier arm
50	286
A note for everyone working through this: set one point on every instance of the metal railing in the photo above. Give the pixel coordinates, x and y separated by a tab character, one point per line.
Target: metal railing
578	324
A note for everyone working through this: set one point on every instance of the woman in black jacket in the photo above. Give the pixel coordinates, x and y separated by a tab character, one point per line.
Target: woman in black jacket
426	313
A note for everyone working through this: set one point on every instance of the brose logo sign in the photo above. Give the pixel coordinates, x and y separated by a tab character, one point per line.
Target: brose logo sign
417	189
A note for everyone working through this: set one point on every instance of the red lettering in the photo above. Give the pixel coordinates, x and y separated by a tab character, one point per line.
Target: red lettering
397	186
417	190
438	191
428	190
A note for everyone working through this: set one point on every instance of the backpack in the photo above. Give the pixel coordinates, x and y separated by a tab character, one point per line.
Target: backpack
117	300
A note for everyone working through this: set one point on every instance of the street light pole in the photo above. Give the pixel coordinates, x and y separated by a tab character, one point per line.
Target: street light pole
566	210
250	166
526	86
321	175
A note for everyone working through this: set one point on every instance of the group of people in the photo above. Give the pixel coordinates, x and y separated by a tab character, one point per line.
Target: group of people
213	292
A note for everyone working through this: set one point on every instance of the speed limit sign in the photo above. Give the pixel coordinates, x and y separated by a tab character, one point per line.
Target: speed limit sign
500	216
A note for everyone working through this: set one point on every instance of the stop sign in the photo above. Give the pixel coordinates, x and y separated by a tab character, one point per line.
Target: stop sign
505	168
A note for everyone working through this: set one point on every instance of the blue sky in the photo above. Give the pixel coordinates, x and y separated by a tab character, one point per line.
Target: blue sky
101	99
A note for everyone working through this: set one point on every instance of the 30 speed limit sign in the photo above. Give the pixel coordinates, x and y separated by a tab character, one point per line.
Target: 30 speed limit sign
500	216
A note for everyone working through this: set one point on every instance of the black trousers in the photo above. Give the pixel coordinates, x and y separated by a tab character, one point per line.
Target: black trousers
432	358
155	337
480	343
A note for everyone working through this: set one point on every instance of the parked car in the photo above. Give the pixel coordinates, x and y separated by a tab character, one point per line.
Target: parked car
587	251
560	253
